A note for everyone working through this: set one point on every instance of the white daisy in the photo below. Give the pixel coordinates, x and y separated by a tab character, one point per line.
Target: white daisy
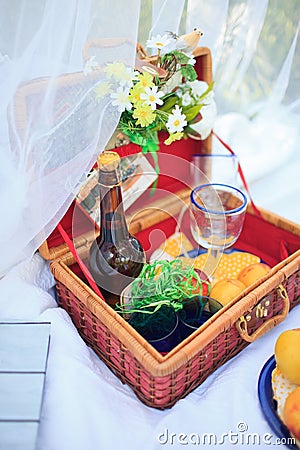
90	65
121	99
152	97
176	121
158	42
192	60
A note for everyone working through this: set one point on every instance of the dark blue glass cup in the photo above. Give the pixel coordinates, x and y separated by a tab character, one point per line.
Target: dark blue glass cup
195	312
159	328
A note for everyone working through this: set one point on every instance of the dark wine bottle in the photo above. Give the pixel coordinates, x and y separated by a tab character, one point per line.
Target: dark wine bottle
116	257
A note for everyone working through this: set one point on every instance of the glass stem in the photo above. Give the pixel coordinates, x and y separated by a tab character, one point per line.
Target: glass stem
213	259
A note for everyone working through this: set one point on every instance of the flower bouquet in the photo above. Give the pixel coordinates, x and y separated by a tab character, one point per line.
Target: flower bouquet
161	94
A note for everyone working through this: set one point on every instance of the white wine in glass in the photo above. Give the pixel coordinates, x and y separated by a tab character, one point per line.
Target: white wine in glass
217	218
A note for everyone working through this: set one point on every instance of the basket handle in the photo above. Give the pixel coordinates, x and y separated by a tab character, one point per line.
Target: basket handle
242	325
102	43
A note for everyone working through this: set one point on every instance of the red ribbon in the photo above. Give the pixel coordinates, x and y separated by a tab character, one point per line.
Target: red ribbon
241	173
81	264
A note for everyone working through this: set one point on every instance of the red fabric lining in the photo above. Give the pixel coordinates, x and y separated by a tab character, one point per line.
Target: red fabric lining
270	243
83	223
259	237
267	241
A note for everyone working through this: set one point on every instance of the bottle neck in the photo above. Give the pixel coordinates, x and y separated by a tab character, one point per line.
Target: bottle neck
113	226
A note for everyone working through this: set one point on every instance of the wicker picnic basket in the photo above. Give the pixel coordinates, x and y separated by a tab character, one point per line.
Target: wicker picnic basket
160	381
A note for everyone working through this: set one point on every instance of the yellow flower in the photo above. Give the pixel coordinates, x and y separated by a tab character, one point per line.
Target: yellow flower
145	80
115	70
174	137
102	89
144	115
135	93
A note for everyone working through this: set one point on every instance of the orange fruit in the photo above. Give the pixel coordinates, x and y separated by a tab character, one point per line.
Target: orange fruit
226	290
287	354
253	272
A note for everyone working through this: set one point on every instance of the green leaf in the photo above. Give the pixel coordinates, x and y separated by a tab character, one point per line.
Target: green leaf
169	103
210	87
191	132
188	72
181	57
191	112
196	118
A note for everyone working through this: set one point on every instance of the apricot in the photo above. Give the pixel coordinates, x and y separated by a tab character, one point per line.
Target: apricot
226	290
253	272
291	412
287	354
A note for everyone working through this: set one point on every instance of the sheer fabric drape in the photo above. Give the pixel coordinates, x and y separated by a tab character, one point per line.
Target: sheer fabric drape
52	125
256	65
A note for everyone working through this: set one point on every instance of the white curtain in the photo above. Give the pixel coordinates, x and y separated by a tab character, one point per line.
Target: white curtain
166	16
52	125
256	66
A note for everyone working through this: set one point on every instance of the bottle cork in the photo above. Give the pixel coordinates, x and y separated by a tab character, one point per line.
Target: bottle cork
108	160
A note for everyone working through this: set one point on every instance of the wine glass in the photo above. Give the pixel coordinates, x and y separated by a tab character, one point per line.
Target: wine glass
216	219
